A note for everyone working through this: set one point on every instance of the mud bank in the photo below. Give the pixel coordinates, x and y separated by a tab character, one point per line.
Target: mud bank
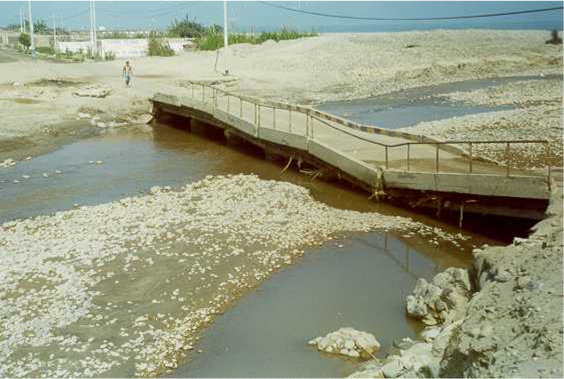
501	318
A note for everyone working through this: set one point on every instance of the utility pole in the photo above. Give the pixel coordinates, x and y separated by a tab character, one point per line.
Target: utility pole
54	34
225	39
93	41
21	21
31	30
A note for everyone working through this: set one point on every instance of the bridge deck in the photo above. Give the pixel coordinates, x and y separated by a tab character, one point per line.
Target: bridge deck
370	155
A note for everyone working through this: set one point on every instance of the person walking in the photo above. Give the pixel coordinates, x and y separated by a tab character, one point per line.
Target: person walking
127	73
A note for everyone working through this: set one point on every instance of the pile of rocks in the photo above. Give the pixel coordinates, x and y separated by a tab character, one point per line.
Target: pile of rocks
348	342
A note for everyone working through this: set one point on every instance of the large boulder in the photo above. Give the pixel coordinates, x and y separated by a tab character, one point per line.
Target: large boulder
418	361
442	300
348	342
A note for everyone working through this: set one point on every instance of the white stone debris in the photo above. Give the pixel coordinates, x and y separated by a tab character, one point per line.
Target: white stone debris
434	303
59	271
8	163
93	91
348	342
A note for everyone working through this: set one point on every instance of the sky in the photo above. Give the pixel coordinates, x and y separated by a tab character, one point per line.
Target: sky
248	15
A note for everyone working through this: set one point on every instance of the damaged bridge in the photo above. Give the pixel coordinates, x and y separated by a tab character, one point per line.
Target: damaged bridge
410	169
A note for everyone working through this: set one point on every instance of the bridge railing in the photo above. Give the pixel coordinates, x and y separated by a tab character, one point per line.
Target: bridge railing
235	105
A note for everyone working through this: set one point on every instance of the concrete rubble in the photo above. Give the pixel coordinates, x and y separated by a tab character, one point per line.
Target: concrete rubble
348	342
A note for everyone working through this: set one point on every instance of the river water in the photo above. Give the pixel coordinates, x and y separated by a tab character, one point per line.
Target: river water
409	107
359	280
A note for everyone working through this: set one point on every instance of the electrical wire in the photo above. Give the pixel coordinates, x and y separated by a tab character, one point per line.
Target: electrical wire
76	15
158	14
409	18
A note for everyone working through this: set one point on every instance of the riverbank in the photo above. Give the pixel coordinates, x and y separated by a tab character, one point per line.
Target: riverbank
39	97
502	318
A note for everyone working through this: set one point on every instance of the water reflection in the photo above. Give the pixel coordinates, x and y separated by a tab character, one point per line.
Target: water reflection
361	282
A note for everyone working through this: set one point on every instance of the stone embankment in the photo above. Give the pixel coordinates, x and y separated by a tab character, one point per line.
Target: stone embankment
500	318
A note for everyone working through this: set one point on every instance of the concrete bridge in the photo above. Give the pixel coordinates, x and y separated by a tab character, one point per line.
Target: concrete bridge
413	169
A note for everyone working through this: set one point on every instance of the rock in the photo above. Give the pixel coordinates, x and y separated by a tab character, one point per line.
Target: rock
93	91
348	342
523	282
442	300
8	163
140	119
416	362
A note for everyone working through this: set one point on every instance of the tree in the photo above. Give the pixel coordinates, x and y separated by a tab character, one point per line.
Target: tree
25	40
186	28
40	27
13	27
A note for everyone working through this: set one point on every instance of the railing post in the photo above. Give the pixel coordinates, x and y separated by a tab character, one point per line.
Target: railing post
290	120
307	124
274	118
228	103
548	157
258	115
241	107
256	118
312	123
437	159
507	158
203	94
387	162
470	157
408	155
214	97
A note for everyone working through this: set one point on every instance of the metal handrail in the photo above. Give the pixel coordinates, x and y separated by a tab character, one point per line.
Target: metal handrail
310	130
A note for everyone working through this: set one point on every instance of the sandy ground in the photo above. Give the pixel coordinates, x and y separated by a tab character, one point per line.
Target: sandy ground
37	112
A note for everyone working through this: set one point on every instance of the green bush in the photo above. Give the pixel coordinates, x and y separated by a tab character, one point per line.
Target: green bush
25	40
74	57
213	39
157	46
46	50
109	56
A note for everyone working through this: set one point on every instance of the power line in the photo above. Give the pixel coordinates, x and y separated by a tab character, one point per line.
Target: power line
409	18
75	15
165	9
158	14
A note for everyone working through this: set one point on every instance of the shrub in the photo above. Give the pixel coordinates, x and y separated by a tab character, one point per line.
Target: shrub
157	46
109	56
213	39
25	40
46	50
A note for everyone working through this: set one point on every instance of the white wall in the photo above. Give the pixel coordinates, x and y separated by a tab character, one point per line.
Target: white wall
122	48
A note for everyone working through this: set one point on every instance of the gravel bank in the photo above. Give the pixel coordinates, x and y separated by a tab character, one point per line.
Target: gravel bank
122	289
538	116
